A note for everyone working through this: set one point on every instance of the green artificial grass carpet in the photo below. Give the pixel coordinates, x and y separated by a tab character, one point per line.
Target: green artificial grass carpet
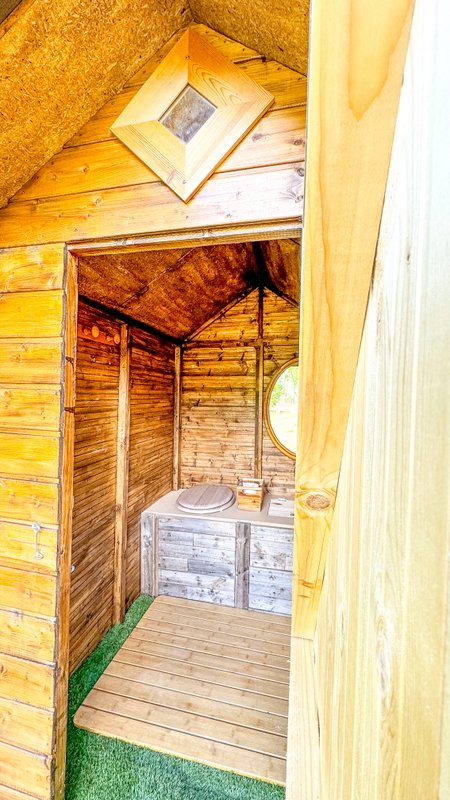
107	769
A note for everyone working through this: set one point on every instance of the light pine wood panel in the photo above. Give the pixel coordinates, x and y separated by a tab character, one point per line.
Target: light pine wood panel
27	591
26	681
27	636
31	315
280	334
382	635
279	138
25	726
28	501
287	87
24	408
26	772
227	198
31	268
31	455
352	103
30	362
135	701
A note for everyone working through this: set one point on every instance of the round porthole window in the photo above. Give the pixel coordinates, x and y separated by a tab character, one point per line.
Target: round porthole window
281	408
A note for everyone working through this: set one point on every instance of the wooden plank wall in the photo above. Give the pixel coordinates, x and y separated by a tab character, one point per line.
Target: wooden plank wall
150	474
95	463
95	187
31	342
383	637
219	393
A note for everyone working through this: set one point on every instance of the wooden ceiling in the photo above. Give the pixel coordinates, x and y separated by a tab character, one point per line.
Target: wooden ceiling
61	61
177	291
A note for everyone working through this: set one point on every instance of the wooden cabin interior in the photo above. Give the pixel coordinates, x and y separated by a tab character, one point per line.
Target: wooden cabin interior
208	209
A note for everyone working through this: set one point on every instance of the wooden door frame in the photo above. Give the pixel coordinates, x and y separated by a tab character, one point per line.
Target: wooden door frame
163	240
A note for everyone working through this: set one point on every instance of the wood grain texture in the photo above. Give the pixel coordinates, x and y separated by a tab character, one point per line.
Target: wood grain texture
62	643
95	187
31	283
238	103
230	197
152	370
161	288
219	393
145	711
382	635
353	101
95	464
122	456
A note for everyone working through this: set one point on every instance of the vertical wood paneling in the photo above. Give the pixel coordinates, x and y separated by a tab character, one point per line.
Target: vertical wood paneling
382	636
152	371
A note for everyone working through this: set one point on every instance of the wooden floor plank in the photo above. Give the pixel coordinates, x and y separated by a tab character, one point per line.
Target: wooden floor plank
206	659
203	682
208	674
233	759
227	694
212	709
187	620
214	648
188	722
225	611
237	621
204	634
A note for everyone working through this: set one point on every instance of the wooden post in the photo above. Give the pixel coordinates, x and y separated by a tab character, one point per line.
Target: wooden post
147	524
241	586
65	543
357	58
357	55
259	398
123	435
177	417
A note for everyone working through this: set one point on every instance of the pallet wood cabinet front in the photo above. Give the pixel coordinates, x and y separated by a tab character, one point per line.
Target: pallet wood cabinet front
233	563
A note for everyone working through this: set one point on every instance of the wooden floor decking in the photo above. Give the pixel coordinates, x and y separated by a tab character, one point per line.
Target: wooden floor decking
202	682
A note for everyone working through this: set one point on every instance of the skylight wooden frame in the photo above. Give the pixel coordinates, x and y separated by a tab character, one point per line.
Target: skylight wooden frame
240	102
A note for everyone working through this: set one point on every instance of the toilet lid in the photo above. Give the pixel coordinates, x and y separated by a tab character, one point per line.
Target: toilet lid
206	498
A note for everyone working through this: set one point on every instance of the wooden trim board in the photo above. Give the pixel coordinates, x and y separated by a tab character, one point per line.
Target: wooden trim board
177	687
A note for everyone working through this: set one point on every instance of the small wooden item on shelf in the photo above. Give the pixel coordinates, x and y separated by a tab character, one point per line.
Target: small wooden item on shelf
250	493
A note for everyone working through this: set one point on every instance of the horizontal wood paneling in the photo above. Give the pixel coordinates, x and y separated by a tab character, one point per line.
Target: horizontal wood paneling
26	681
219	393
23	408
97	402
31	316
279	138
27	636
26	591
25	726
28	501
30	362
152	369
226	198
25	771
29	454
31	268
